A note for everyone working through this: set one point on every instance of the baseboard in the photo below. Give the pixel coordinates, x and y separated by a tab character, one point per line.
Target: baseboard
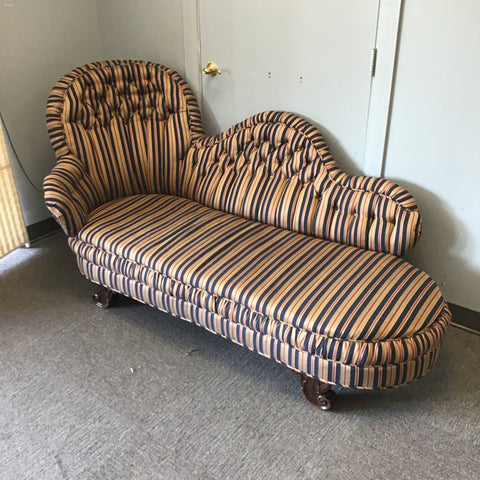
463	317
41	229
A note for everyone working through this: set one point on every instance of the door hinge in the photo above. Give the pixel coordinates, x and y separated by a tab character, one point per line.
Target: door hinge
373	62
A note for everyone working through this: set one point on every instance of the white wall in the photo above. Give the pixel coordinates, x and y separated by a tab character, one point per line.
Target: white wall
40	41
434	140
143	30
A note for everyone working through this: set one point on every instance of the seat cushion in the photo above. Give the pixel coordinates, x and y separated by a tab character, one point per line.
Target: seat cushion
334	302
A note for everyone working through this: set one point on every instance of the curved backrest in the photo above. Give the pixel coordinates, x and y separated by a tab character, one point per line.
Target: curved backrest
134	127
129	122
276	168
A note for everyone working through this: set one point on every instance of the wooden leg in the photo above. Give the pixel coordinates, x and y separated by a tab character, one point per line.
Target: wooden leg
317	393
103	297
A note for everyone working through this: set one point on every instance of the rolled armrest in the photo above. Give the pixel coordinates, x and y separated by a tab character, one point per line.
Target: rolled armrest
71	194
368	212
276	168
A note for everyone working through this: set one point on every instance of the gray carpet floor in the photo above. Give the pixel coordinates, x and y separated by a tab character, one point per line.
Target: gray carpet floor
132	393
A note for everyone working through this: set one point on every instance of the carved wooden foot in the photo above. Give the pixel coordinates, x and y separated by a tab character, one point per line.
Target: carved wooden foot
317	393
103	297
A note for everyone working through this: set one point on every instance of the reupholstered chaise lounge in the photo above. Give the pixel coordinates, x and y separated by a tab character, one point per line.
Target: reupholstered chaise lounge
254	234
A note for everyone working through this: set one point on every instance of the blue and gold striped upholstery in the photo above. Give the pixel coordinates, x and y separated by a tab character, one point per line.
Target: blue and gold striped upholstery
254	234
118	128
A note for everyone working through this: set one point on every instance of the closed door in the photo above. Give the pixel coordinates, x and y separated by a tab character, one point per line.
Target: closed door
310	57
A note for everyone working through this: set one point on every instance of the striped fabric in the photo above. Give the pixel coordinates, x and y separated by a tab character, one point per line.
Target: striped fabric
346	315
123	128
254	234
276	168
118	128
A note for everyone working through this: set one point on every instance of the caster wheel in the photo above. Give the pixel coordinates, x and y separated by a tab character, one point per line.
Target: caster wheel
317	393
103	297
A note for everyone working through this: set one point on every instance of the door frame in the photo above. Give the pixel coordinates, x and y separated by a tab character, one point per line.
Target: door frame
381	87
192	45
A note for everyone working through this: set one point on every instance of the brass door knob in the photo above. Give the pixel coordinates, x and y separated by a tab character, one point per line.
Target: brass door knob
212	69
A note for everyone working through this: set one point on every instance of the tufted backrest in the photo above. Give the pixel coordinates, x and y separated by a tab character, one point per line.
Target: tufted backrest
129	122
276	168
131	127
